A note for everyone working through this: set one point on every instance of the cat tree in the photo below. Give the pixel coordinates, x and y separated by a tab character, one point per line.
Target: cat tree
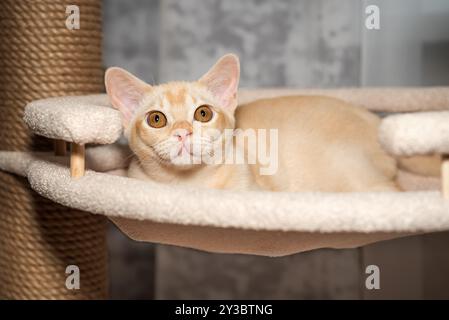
262	223
42	229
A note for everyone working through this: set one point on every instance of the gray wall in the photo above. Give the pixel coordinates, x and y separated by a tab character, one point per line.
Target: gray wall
131	40
296	43
280	43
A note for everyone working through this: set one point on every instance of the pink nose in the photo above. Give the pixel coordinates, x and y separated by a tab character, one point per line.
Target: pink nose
182	134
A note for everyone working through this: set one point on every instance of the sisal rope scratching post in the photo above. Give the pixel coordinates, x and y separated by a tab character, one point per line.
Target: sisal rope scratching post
39	58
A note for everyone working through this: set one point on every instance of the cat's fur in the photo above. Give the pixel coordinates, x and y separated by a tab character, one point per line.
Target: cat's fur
324	144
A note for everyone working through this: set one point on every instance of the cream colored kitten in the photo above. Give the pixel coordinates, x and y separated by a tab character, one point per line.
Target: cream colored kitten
324	144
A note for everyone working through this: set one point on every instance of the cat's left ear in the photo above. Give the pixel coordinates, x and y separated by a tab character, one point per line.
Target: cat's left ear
125	91
223	80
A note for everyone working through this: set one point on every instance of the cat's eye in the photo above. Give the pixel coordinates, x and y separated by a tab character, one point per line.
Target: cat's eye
156	119
203	113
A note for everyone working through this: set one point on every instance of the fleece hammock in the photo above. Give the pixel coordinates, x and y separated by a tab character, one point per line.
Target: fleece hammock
250	222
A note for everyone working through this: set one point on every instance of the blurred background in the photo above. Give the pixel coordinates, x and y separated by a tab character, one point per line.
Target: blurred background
283	43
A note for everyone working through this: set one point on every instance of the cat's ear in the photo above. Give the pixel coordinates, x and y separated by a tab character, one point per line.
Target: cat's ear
125	91
223	80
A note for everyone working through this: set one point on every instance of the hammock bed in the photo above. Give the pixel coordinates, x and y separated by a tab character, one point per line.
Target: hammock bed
262	222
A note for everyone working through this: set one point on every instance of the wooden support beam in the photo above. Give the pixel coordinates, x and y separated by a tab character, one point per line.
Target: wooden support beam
77	160
445	175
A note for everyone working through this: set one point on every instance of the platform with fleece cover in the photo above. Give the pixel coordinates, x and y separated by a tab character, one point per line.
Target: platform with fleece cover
250	222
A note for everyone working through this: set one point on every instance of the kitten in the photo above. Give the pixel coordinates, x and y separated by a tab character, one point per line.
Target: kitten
324	144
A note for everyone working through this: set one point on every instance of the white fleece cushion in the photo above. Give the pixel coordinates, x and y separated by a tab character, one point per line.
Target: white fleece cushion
81	119
283	211
89	119
107	158
415	133
262	223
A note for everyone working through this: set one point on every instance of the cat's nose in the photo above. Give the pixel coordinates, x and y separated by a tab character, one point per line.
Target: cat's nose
182	134
182	130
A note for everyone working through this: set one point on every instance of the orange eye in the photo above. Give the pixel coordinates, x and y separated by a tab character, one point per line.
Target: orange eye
156	119
203	113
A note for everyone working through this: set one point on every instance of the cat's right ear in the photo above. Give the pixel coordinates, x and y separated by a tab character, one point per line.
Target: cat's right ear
125	91
222	80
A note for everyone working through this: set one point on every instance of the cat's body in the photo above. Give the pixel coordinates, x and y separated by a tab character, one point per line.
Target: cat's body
324	144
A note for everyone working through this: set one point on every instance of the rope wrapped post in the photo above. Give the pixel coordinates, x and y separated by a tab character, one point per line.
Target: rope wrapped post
40	58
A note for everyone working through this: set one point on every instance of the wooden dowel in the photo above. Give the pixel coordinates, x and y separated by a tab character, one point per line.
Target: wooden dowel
60	148
445	175
77	160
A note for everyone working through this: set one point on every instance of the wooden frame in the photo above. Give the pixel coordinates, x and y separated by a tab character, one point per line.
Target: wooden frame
77	160
77	157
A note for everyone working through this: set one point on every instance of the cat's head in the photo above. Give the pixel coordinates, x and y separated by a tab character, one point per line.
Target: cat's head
177	123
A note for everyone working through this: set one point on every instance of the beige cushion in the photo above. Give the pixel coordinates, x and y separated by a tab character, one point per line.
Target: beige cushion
415	133
86	119
90	119
262	223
